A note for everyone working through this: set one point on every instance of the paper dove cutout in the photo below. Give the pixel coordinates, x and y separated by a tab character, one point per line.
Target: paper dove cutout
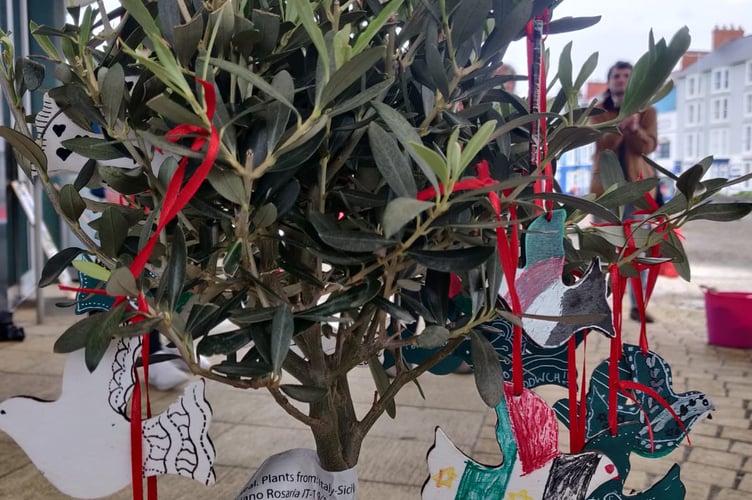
532	466
87	302
81	442
652	371
542	292
54	127
540	366
618	448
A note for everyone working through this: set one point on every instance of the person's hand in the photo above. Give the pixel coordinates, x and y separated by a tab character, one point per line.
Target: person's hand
630	123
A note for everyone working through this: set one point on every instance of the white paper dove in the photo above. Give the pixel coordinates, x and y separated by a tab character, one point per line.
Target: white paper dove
81	442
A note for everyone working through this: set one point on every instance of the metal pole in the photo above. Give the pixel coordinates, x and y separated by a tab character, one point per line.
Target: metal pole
38	252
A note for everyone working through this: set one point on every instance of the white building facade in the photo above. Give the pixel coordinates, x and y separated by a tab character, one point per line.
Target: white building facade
714	112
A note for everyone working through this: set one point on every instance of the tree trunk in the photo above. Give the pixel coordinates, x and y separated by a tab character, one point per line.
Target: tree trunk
337	438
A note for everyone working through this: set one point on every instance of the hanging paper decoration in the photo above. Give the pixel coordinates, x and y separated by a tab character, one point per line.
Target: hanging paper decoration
532	467
54	127
90	302
542	293
82	442
542	366
298	474
648	371
618	448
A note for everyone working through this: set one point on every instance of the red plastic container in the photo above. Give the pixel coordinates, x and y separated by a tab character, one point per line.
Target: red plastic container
729	318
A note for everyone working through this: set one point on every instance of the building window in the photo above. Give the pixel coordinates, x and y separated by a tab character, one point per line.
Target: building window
663	150
748	104
720	80
719	109
691	114
747	139
748	73
691	86
691	145
719	142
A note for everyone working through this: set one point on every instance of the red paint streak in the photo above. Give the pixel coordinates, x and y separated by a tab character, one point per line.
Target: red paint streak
534	427
536	279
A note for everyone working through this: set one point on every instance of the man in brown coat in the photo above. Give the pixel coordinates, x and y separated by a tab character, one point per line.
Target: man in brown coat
639	132
639	136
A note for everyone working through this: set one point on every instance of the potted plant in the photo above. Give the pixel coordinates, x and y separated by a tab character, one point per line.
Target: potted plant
326	216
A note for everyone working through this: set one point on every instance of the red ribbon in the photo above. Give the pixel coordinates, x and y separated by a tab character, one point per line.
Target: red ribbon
176	197
577	409
626	385
618	284
508	254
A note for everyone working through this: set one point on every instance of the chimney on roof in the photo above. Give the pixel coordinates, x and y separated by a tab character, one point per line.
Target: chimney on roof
722	36
690	57
595	90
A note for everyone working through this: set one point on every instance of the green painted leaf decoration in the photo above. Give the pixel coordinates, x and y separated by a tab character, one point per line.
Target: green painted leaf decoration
92	270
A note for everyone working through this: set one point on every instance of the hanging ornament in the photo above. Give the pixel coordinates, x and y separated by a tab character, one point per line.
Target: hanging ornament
542	292
532	467
81	443
619	448
666	418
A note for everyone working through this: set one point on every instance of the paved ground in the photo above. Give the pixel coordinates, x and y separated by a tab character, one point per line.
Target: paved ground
249	427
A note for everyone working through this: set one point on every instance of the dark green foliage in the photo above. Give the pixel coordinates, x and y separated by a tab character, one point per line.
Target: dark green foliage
334	119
